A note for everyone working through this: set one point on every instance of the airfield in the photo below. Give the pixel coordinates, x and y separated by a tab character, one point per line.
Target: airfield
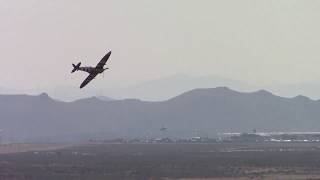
165	161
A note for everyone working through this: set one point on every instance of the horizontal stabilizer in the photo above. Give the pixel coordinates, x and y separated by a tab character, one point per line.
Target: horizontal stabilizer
76	67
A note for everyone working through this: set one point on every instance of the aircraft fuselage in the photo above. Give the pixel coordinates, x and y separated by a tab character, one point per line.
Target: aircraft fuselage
91	70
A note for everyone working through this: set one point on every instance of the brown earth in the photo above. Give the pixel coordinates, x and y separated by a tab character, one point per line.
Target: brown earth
24	147
223	161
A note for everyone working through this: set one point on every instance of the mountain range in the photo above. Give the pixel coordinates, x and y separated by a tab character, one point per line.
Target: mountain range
165	88
196	112
153	90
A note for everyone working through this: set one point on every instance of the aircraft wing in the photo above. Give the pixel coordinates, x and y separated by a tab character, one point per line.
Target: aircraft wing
88	79
103	61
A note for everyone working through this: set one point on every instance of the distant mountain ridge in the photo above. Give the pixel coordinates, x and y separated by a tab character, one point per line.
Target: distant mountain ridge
196	112
166	88
153	90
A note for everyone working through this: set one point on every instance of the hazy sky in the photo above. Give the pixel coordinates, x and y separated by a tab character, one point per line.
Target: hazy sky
258	42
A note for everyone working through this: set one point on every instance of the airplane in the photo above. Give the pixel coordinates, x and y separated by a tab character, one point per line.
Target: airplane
163	128
93	71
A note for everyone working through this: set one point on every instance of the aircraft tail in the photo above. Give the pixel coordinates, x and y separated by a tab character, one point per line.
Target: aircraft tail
76	67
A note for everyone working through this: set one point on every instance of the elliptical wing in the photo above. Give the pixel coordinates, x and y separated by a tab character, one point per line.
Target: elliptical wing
88	79
103	61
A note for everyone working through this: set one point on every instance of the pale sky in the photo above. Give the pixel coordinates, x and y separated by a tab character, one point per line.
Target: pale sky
262	43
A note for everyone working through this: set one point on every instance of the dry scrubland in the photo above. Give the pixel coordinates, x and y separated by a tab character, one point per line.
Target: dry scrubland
223	161
18	148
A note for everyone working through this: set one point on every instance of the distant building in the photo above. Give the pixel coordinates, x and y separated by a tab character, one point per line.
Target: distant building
163	140
196	139
272	136
249	137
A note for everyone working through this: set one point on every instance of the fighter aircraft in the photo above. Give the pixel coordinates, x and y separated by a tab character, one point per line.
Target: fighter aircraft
163	128
93	71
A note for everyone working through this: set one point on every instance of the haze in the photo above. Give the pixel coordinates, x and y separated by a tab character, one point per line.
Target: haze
263	43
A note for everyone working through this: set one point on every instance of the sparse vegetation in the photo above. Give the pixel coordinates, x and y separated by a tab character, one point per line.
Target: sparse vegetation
160	161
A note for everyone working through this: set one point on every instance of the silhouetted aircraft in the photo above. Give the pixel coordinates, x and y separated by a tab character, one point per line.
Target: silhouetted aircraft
93	71
163	128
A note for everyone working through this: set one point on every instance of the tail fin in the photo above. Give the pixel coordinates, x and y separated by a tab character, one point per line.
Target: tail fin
76	67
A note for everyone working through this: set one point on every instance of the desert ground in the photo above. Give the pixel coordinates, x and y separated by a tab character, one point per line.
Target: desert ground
223	161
